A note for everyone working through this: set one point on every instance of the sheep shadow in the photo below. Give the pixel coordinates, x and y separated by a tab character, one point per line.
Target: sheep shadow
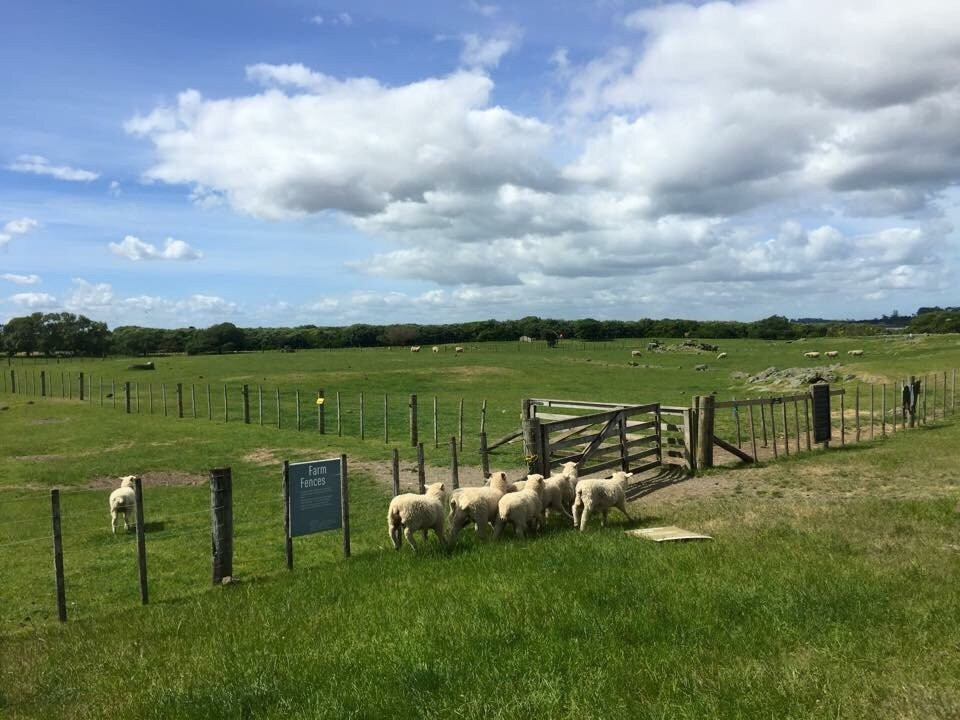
663	479
155	526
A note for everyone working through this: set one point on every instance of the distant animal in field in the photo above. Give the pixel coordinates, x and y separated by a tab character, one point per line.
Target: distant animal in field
123	501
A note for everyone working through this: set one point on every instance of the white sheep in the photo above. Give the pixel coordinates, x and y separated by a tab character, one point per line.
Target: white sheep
594	494
636	353
458	349
811	354
721	356
855	353
414	348
523	509
477	505
411	512
831	353
436	348
558	490
123	501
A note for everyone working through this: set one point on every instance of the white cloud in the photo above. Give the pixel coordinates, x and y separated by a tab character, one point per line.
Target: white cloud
488	10
88	297
39	165
352	145
21	279
34	301
21	226
133	248
342	18
114	189
482	52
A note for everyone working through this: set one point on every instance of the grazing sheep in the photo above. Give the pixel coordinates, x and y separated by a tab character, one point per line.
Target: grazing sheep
523	509
700	368
558	490
831	353
414	348
721	356
855	353
411	512
595	494
123	501
477	505
811	354
436	349
636	353
458	349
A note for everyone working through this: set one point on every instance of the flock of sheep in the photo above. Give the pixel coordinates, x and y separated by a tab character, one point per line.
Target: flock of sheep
435	348
524	505
832	353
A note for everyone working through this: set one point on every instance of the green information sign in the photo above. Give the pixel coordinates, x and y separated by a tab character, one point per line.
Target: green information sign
315	496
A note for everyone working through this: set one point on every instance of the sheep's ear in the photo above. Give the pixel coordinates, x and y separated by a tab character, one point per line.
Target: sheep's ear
442	487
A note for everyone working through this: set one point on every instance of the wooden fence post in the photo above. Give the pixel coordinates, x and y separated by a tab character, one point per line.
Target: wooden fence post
484	456
278	408
532	443
396	472
806	418
345	505
773	430
796	423
414	439
763	423
287	540
386	421
126	396
226	407
871	412
58	555
753	434
454	464
883	410
179	400
136	393
856	411
421	471
43	383
81	389
483	416
912	402
221	523
260	404
193	401
705	418
690	439
141	540
786	427
296	399
362	430
246	404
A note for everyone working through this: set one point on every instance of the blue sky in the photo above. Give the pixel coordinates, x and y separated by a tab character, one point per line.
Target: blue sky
294	162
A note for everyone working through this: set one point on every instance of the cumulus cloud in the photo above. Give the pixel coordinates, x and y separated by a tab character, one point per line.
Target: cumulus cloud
353	145
133	248
21	279
20	226
39	165
34	301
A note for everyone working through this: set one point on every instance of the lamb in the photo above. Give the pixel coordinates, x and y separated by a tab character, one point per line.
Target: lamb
522	509
721	356
411	512
831	353
700	368
855	353
414	348
636	353
811	354
436	348
123	501
477	505
595	494
558	490
458	349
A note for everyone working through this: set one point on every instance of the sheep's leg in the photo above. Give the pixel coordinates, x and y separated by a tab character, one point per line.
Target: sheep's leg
408	533
518	527
395	535
456	524
577	511
438	530
622	507
497	527
603	517
584	517
481	522
113	521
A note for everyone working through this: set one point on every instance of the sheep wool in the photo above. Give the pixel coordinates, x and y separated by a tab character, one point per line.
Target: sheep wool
523	509
600	495
477	505
411	512
123	501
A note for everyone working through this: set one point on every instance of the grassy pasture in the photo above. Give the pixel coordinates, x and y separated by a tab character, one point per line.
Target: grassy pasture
832	588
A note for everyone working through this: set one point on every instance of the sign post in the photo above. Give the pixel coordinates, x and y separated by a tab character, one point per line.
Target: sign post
315	499
822	428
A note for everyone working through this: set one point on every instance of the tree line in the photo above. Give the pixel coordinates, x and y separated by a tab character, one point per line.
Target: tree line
66	333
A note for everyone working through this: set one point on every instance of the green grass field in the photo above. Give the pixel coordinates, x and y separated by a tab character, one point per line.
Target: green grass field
831	589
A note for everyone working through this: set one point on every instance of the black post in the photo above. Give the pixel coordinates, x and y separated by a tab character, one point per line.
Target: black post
126	396
321	419
81	387
484	456
221	518
43	383
246	404
58	555
179	400
141	541
413	421
288	541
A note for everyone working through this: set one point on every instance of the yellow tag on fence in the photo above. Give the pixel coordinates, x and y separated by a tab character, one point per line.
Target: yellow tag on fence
319	401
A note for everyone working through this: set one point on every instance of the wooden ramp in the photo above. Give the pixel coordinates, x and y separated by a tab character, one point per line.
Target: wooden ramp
667	533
